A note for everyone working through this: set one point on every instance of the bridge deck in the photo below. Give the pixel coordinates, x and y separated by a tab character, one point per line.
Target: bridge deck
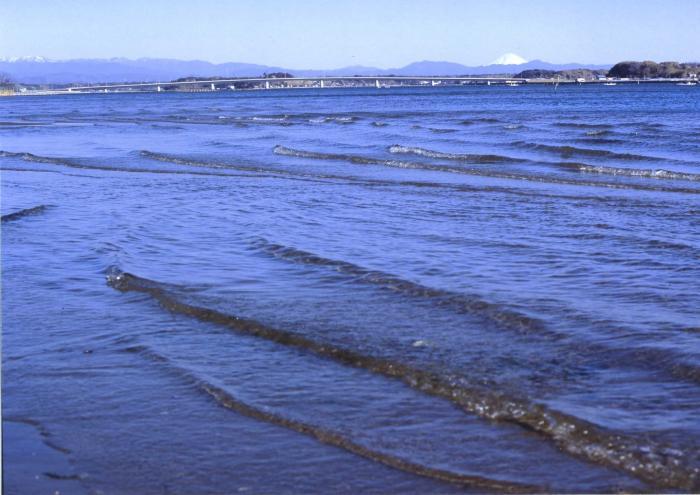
302	79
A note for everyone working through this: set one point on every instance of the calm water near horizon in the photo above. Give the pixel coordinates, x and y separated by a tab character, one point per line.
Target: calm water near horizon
445	290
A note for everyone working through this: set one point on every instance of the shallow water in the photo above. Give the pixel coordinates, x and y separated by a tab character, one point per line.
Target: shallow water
396	290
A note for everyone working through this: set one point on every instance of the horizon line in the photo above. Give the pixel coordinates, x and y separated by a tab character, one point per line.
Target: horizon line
39	58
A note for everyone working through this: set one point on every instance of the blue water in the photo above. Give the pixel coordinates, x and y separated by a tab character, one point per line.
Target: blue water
340	291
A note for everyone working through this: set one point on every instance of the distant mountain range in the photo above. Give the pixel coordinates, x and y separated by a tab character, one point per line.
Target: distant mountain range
38	70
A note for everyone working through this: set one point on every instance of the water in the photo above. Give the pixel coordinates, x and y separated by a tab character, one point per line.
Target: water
396	290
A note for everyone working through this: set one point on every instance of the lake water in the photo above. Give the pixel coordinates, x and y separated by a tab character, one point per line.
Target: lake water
429	290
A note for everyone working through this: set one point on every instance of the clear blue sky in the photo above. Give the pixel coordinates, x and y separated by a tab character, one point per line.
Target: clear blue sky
329	34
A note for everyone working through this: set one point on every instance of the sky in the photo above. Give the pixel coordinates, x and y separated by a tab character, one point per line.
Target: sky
316	34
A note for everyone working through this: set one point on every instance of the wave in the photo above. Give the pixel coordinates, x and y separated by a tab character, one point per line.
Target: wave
599	140
284	151
258	171
218	144
283	121
660	244
169	127
583	125
57	476
368	182
261	172
29	157
636	172
273	120
41	428
25	124
474	305
46	171
163	157
461	302
436	130
371	182
361	181
177	122
268	119
227	400
474	158
572	150
36	210
343	119
657	464
363	160
481	120
288	119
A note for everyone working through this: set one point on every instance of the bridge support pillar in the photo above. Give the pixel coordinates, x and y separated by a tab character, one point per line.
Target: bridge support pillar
433	82
267	84
159	89
376	83
213	88
322	83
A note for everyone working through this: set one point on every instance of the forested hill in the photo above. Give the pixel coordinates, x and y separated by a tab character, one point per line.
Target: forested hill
565	75
649	69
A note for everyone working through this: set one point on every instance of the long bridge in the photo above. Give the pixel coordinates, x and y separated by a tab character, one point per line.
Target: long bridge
334	82
283	82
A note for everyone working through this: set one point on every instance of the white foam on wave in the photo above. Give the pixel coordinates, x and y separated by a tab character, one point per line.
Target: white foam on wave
636	172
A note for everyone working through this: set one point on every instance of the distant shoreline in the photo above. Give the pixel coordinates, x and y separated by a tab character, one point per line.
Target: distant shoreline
380	82
622	72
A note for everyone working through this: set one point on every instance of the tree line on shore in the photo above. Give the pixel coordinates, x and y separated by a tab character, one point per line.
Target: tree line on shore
651	70
628	69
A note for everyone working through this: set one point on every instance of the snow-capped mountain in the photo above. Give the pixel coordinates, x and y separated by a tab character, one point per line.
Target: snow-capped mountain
24	59
509	59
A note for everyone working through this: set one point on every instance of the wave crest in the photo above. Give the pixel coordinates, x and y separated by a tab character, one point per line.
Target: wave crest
463	157
651	462
36	210
566	150
637	172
